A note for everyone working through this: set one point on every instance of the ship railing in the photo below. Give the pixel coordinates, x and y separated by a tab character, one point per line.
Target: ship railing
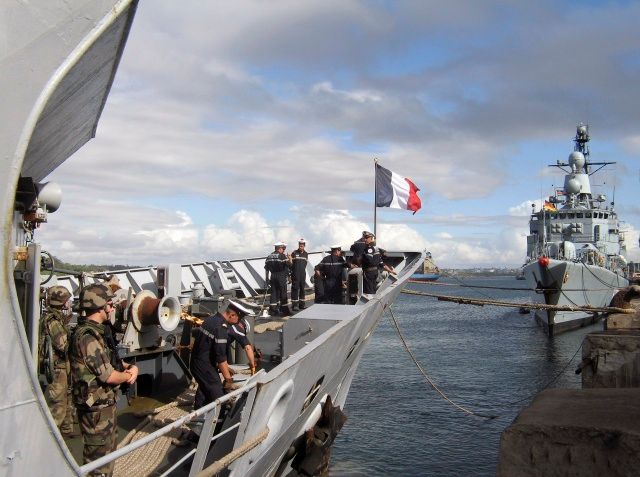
209	413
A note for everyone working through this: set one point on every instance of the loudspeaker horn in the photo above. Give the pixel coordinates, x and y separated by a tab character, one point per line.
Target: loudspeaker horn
49	195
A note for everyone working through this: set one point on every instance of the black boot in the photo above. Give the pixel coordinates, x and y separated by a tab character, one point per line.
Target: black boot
284	310
301	305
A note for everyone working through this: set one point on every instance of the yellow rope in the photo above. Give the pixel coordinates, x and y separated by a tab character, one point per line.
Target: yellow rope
462	284
228	459
147	459
426	376
537	306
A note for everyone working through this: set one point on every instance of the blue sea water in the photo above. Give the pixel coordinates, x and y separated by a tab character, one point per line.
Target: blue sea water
490	360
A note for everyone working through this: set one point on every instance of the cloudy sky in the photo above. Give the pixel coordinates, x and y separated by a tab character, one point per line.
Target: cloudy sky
232	125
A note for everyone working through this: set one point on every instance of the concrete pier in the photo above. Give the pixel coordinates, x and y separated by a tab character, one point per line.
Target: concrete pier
574	432
611	359
593	431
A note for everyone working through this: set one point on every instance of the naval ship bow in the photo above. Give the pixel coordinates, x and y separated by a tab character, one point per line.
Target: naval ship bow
575	249
58	62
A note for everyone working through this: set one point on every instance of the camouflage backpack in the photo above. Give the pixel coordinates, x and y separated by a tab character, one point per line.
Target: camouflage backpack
56	296
46	358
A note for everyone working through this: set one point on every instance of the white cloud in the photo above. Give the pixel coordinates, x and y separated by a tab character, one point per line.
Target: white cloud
359	96
631	237
233	125
631	144
246	234
524	209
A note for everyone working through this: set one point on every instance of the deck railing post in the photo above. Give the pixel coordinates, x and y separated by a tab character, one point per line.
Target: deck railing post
204	444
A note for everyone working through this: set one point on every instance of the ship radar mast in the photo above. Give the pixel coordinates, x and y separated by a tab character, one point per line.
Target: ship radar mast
582	140
577	169
580	155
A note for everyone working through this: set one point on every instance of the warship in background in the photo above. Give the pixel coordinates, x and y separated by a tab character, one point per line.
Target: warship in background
575	249
56	70
430	272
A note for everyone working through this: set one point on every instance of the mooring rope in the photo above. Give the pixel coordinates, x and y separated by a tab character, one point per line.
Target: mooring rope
549	383
228	459
147	459
428	378
461	284
537	306
464	285
462	408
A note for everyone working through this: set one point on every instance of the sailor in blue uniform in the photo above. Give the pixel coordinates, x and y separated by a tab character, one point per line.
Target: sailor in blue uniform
238	332
277	266
358	248
299	259
332	270
372	263
209	354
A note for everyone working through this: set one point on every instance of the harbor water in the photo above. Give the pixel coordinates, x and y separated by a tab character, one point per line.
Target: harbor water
490	360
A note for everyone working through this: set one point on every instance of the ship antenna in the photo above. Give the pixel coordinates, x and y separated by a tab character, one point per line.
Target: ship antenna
613	200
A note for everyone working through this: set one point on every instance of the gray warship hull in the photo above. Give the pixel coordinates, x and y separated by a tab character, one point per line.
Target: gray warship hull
565	283
575	247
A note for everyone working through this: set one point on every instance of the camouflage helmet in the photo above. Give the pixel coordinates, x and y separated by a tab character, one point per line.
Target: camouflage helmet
95	296
58	295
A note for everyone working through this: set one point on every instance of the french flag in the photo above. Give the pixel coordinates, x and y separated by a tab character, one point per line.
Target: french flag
395	191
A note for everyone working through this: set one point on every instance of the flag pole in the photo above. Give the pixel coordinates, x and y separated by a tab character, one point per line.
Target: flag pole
375	198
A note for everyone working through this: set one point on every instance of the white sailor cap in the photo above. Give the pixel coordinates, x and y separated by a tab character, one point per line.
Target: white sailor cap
336	247
302	240
280	244
239	308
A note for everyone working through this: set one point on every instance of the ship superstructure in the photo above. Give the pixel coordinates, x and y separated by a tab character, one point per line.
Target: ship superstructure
575	249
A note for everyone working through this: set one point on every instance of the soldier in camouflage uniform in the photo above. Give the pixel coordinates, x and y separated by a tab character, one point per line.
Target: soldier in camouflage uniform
55	324
95	380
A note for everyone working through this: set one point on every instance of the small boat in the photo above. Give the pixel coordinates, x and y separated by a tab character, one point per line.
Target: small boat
430	272
575	248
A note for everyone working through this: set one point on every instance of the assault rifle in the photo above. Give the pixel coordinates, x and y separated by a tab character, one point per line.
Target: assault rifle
116	361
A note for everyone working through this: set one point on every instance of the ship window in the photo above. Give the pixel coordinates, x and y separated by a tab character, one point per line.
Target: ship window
313	392
562	216
588	215
571	216
606	216
579	216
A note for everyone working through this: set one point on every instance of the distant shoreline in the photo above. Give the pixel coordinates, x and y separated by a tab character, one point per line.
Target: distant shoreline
479	273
